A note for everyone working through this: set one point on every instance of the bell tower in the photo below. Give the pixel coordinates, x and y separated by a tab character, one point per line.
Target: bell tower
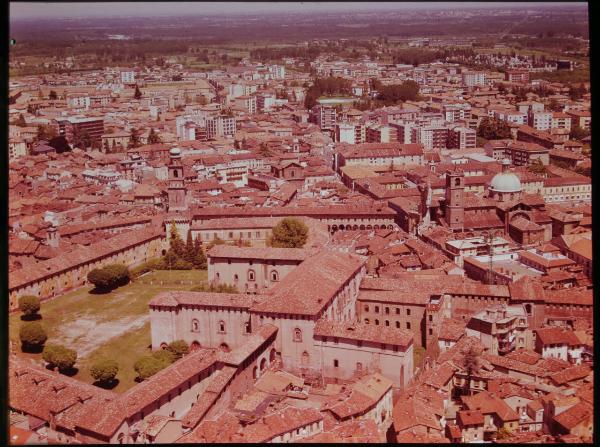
177	190
455	211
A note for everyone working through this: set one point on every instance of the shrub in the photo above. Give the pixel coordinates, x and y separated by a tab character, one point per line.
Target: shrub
147	366
119	273
100	278
219	288
164	356
149	266
59	357
289	233
179	348
104	371
29	305
32	335
109	277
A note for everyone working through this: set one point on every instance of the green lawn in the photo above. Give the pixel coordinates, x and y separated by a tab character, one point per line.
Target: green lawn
109	325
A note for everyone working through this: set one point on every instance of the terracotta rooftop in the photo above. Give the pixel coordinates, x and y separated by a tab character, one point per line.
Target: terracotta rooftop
259	253
309	288
204	299
364	332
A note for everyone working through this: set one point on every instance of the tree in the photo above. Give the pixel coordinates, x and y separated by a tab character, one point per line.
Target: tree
178	348
147	366
134	138
471	363
20	121
554	106
537	167
109	277
153	138
29	305
100	278
82	139
493	129
104	371
59	357
290	233
137	94
45	132
119	273
189	248
32	336
218	288
199	260
175	242
52	95
578	133
60	143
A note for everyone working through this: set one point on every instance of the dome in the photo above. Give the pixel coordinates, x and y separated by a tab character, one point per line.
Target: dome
175	151
505	181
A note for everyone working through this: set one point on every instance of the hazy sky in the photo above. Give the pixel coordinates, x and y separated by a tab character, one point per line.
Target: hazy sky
24	10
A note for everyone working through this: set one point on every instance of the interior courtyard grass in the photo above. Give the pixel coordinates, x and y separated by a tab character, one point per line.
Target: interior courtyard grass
112	325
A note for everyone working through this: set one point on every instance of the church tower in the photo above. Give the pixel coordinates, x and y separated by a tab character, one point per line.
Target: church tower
455	211
176	191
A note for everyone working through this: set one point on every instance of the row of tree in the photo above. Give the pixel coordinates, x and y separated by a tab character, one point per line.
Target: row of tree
183	256
149	365
109	277
328	86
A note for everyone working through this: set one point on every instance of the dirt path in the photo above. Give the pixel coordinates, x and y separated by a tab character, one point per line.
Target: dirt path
85	335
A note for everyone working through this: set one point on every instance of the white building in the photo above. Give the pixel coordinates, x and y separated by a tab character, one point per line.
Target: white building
128	77
472	79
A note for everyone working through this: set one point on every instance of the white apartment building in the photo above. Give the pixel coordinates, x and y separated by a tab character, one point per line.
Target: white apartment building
474	78
247	103
128	77
220	126
456	112
324	116
462	138
540	120
265	101
511	116
278	71
345	133
79	101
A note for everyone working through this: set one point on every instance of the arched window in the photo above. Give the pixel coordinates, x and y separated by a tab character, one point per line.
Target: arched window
274	275
456	182
235	277
195	325
222	326
175	173
297	334
247	328
366	321
376	322
251	275
359	366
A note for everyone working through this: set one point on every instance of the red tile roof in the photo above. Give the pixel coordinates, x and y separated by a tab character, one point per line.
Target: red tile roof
557	336
266	253
364	332
310	287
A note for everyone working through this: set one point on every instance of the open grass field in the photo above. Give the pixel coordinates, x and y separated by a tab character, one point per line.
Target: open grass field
112	325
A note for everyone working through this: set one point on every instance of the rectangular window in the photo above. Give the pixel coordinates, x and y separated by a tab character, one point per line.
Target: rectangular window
407	311
336	363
